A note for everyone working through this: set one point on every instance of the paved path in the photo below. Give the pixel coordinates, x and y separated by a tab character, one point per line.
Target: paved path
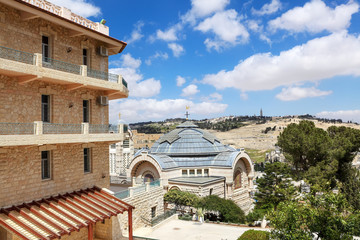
188	230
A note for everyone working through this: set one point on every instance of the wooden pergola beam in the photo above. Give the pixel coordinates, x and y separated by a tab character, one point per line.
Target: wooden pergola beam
74	86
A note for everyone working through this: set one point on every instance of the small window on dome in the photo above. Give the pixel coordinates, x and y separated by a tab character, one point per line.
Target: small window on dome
199	172
206	172
184	172
192	172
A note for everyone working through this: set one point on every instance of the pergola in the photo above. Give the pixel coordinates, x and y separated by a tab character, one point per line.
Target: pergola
63	214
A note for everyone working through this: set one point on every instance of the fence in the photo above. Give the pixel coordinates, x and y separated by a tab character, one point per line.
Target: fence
162	217
137	190
16	55
99	128
61	128
61	66
16	128
102	75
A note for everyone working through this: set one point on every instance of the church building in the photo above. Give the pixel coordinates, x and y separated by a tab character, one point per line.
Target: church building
191	159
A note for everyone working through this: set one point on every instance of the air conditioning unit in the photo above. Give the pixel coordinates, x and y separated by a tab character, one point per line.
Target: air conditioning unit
103	100
103	51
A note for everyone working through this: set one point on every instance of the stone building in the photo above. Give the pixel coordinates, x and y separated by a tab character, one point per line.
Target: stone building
143	140
54	126
120	156
194	160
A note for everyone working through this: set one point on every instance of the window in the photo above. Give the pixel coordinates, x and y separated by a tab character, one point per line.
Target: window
85	57
113	146
153	212
45	108
184	172
45	49
192	172
199	172
126	143
87	163
237	179
206	172
45	165
86	112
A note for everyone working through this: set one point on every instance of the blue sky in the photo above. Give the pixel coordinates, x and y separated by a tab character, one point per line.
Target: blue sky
231	57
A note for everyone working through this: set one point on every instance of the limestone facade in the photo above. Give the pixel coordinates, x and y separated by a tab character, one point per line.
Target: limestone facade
23	83
143	203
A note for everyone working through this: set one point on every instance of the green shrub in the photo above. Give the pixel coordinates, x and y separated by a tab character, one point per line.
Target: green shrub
228	210
255	235
186	217
255	215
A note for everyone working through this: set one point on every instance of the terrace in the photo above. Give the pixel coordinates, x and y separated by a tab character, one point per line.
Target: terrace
28	67
39	133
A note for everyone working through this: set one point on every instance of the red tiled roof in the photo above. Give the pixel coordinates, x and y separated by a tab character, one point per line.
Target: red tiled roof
56	216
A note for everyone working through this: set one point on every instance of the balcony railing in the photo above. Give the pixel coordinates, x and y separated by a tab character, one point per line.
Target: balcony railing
17	128
60	128
17	55
99	128
124	83
61	66
39	127
102	75
30	58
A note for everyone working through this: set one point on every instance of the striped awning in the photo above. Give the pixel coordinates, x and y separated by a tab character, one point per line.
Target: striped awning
56	216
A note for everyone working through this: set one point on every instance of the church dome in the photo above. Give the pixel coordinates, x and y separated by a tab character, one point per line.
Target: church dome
188	140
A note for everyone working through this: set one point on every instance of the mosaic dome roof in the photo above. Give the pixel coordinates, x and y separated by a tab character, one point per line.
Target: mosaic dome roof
188	140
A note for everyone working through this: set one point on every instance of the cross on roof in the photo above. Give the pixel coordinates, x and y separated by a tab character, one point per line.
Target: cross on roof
187	115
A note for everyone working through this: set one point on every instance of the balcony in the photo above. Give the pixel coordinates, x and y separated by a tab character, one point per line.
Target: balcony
40	133
28	67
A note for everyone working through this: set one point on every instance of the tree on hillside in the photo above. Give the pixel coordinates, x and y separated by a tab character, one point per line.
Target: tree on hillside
304	145
275	186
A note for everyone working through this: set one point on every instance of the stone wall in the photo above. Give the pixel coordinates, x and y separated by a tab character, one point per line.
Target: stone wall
24	103
143	202
202	191
20	171
27	36
242	199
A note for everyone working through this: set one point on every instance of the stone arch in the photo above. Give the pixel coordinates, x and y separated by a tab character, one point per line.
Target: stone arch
249	168
144	166
174	188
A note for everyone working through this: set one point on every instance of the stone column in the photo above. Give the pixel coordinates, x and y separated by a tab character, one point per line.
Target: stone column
147	186
84	70
38	59
38	125
85	128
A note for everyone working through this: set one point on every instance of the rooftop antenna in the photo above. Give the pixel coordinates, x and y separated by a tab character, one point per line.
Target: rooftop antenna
187	113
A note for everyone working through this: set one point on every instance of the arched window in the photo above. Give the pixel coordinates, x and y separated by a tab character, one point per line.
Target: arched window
148	178
237	179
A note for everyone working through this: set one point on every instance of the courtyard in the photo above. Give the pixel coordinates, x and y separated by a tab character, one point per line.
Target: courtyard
189	230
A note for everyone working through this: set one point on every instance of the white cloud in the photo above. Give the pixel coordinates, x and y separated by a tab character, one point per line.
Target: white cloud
316	17
345	115
296	93
318	59
180	81
169	35
177	49
137	110
190	90
157	55
129	61
227	29
136	33
203	8
138	87
80	7
216	97
268	8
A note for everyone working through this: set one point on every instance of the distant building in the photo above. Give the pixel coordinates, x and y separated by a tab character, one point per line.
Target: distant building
194	160
143	140
261	112
120	156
